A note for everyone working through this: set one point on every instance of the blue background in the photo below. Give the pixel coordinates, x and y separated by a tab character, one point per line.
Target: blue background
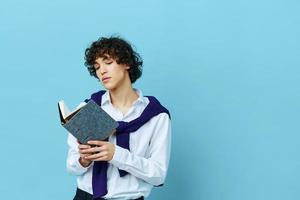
227	70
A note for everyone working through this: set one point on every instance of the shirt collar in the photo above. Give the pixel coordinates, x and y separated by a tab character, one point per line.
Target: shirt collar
141	99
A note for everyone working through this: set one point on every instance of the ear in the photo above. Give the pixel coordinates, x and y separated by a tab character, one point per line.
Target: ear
127	67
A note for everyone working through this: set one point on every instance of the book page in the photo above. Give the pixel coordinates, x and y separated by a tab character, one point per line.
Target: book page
65	111
80	105
75	111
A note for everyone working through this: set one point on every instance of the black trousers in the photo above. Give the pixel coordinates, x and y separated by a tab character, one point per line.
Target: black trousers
83	195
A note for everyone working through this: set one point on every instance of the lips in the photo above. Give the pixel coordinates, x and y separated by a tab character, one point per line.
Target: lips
105	79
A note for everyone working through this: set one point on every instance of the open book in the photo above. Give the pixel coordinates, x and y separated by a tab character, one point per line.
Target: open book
87	122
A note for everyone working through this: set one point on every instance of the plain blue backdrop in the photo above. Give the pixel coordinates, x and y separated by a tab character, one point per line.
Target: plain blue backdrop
228	71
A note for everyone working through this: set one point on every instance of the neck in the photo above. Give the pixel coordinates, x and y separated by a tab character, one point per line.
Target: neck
123	97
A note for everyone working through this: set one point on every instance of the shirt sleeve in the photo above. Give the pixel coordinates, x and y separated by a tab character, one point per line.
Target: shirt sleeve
73	165
153	167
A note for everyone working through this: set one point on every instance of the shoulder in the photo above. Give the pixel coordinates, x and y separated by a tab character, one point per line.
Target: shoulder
96	96
154	103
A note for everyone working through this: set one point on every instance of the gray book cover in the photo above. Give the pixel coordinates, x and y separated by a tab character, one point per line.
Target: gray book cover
90	122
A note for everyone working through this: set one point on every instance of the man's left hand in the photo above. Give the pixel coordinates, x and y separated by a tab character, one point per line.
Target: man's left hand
103	151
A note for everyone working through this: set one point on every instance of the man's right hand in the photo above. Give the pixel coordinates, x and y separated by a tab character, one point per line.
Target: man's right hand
84	162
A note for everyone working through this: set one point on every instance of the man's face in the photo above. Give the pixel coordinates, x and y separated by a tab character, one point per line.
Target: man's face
110	73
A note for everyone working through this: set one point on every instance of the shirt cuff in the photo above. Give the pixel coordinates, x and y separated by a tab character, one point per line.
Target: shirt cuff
81	168
119	156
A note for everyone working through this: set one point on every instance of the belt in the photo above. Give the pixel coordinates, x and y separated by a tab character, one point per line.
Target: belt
83	195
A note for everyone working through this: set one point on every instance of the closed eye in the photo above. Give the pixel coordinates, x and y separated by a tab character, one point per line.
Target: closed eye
97	67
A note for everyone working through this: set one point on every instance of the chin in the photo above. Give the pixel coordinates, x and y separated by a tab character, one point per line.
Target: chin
112	85
109	87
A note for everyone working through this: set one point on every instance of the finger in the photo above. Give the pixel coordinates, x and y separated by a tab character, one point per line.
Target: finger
97	156
97	142
103	148
92	150
89	151
85	158
84	146
84	155
104	158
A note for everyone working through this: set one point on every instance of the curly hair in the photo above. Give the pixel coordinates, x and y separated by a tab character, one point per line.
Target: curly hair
118	49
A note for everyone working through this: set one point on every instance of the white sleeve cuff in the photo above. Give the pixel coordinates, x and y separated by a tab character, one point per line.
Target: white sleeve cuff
82	168
119	157
74	166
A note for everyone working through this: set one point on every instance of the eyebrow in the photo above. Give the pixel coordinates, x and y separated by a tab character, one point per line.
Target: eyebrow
107	58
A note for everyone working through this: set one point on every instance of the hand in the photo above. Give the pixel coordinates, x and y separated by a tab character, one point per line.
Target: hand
84	162
103	151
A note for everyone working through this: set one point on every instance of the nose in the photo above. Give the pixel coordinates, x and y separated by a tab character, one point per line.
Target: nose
103	69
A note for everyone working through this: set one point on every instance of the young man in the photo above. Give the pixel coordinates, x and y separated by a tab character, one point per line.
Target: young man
135	158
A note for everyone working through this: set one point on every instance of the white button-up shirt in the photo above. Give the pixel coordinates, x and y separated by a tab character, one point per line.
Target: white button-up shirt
146	162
